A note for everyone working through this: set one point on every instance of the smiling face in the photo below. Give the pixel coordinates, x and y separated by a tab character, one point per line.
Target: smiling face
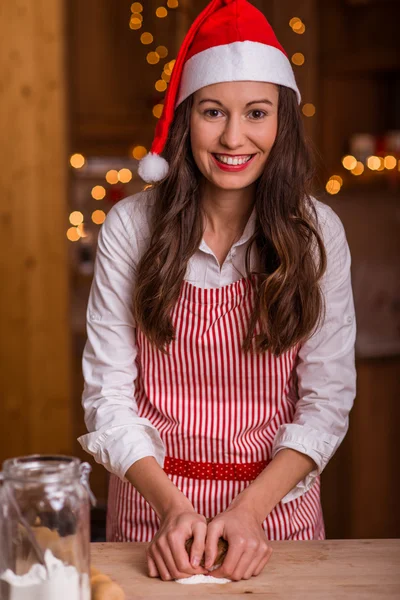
233	127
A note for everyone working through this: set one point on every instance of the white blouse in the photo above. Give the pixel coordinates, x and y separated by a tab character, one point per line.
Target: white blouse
325	370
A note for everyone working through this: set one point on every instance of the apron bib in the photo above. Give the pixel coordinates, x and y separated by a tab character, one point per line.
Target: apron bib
217	410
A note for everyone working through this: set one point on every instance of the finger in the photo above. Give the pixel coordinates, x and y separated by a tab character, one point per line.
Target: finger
160	564
254	564
151	565
214	532
246	560
230	563
177	558
199	543
262	563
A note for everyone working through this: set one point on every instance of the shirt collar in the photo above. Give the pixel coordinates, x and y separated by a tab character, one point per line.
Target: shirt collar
246	235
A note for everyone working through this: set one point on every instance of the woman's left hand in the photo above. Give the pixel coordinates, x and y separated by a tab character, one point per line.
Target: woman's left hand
248	550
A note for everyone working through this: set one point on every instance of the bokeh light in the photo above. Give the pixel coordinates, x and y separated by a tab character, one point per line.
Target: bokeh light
77	161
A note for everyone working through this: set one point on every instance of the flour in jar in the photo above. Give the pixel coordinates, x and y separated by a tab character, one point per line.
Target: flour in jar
61	582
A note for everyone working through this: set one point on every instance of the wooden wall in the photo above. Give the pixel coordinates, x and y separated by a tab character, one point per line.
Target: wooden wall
34	343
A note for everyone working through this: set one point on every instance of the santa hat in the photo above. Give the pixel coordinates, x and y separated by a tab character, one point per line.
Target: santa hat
231	40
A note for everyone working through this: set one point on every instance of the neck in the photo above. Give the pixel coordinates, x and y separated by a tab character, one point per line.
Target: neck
227	211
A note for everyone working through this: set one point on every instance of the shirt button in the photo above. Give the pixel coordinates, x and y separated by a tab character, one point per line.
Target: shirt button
94	317
349	319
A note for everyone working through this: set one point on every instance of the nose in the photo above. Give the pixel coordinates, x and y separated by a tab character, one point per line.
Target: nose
233	135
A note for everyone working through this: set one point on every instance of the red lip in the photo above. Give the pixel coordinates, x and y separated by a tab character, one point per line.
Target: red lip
232	168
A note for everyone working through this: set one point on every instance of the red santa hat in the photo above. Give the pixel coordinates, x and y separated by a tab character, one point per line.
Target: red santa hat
231	40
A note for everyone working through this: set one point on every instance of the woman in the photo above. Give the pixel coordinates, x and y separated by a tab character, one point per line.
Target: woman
219	366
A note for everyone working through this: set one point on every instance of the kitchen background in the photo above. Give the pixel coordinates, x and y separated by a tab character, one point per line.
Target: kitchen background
81	89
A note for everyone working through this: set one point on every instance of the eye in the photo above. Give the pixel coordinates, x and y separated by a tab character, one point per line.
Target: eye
258	114
211	112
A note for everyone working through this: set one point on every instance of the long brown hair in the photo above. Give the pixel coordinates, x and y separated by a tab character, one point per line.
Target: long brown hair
288	300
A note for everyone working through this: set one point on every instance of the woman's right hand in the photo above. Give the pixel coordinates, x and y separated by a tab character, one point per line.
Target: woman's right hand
167	556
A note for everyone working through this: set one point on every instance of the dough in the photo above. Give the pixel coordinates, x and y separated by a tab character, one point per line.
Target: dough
222	549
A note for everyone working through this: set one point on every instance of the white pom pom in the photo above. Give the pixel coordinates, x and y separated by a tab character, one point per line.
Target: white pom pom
153	168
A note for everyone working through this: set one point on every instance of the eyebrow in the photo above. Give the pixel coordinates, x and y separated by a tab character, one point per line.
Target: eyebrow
263	101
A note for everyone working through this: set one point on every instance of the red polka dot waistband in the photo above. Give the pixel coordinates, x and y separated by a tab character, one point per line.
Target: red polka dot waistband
209	470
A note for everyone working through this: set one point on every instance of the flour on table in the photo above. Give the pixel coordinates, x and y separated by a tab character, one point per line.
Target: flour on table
202	579
61	582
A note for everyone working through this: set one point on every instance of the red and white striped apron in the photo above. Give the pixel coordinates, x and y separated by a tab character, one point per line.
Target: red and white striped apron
217	410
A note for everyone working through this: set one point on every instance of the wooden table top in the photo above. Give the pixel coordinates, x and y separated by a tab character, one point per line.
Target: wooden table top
306	570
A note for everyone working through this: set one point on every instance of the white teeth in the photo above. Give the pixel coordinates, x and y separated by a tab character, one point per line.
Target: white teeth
228	160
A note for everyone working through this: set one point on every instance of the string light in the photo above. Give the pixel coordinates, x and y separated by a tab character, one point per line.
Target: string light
81	230
153	58
309	110
162	51
98	217
146	38
349	162
294	21
77	161
172	3
135	22
390	162
333	186
157	110
299	27
161	12
112	176
73	234
124	175
139	152
373	163
161	85
98	192
337	178
298	59
136	7
76	218
358	169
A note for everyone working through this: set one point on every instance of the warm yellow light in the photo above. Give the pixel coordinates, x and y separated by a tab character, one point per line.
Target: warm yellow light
390	162
333	186
98	192
124	175
139	152
172	63
349	162
76	218
294	21
77	161
146	38
157	110
112	176
299	28
373	163
172	3
81	230
381	164
160	85
136	7
147	187
309	110
73	234
135	24
358	169
98	217
153	58
298	59
165	76
137	16
162	51
337	178
161	12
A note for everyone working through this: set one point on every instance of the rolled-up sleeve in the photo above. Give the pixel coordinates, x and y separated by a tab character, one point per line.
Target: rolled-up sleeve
117	437
325	374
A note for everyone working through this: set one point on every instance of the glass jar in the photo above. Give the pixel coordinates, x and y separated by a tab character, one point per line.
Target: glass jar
44	528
